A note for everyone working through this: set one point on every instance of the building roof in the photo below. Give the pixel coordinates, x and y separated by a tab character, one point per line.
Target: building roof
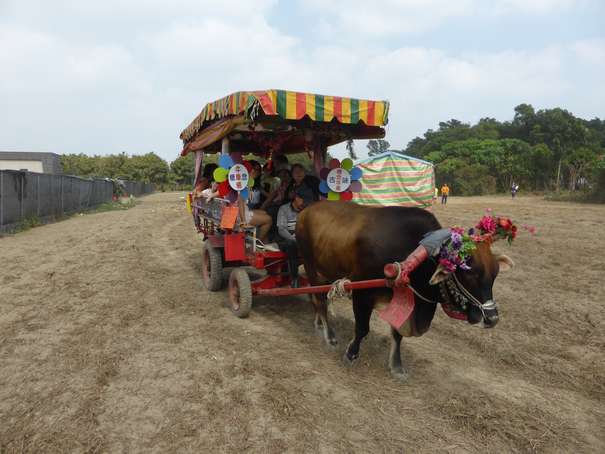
51	162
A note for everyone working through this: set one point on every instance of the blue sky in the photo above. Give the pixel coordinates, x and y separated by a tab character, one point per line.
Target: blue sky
106	77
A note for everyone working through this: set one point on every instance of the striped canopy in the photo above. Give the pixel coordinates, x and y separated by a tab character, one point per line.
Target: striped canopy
393	178
291	105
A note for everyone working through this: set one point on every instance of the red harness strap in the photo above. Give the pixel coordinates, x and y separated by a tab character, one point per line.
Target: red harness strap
400	308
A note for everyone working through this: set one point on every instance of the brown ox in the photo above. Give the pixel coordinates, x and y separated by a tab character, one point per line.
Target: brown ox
344	240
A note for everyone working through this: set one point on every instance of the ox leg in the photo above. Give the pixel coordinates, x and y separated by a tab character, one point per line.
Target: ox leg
321	319
397	370
317	321
362	309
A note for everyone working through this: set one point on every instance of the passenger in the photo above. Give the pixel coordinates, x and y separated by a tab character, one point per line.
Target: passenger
256	218
255	197
208	171
201	187
277	197
249	212
269	181
280	163
299	179
286	226
211	192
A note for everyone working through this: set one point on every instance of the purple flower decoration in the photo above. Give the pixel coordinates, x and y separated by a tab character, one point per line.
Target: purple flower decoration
456	252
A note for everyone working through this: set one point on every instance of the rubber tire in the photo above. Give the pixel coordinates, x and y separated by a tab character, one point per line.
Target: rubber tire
240	293
212	258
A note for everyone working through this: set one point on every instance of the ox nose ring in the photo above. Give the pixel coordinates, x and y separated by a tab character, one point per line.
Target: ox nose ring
490	313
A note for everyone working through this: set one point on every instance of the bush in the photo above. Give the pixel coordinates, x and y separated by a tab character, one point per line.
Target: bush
473	180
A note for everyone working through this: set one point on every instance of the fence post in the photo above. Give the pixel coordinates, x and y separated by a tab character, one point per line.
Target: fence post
38	195
22	174
1	200
61	211
90	186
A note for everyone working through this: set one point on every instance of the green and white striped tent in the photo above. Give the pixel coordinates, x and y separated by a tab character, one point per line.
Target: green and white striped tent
392	178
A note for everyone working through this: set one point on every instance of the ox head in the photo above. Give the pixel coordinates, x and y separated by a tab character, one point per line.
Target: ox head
479	308
467	268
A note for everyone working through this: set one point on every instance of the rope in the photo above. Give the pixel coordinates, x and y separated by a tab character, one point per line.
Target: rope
398	266
338	289
396	278
426	300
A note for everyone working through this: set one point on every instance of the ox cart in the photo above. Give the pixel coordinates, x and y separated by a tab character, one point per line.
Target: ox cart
268	124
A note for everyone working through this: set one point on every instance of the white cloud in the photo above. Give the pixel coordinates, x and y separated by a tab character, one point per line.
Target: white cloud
535	6
389	17
130	78
591	51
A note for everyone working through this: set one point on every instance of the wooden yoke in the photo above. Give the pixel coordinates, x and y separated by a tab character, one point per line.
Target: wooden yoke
398	272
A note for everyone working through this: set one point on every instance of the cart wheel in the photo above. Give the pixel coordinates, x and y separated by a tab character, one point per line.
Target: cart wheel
240	293
212	267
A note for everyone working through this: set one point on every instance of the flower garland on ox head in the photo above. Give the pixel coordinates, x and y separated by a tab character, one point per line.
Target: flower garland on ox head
457	252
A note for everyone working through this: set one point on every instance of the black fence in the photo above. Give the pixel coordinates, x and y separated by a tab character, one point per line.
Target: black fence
39	196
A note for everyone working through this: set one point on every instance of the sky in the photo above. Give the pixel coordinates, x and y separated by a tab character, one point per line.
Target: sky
112	76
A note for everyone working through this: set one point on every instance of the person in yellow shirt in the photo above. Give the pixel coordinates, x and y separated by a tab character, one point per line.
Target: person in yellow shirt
445	192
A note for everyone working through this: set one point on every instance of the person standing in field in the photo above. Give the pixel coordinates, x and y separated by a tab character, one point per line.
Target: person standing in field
445	192
435	195
514	189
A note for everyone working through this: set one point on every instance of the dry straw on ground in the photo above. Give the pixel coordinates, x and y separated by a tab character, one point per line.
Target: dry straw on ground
109	343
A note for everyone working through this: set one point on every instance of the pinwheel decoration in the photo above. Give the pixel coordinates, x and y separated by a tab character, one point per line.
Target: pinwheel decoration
233	178
340	180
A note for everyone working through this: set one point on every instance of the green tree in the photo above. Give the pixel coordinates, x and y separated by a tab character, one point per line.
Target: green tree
540	165
183	168
79	164
579	163
113	165
149	168
377	146
351	149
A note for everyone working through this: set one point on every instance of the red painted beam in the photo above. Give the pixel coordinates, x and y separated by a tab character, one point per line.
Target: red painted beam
397	274
285	291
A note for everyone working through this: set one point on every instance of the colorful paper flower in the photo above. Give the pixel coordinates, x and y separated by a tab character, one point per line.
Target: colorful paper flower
456	252
233	178
340	180
492	228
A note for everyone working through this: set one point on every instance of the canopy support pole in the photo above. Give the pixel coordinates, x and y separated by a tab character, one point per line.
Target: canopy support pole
320	152
225	146
199	160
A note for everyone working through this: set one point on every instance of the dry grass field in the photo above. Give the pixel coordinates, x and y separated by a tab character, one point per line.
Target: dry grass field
108	343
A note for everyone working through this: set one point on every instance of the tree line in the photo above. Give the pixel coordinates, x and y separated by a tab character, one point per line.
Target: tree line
148	168
544	150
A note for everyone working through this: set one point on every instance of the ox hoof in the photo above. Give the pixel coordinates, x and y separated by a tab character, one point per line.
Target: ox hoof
331	343
400	374
349	360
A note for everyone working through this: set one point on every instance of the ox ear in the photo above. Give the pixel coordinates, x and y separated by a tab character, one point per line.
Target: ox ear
505	262
440	274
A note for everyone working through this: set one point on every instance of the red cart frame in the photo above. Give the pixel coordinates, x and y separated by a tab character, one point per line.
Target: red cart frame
269	123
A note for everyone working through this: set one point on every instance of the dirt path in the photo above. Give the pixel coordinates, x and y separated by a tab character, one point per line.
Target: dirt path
109	343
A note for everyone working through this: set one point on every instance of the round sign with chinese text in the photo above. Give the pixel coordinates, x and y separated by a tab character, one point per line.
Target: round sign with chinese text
338	180
238	177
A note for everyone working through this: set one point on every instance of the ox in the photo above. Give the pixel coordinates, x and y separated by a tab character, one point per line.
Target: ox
343	240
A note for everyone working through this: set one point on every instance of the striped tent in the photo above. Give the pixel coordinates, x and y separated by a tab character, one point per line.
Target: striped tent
392	178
